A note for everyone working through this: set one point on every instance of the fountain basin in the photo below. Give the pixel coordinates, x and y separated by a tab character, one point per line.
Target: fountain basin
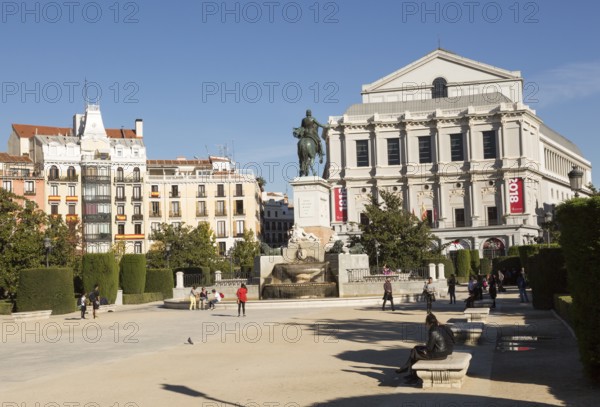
299	290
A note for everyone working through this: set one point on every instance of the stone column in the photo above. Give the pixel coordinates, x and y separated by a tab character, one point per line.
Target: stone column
441	275
432	271
179	279
217	275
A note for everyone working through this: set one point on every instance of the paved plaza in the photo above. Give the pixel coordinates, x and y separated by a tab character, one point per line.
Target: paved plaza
139	356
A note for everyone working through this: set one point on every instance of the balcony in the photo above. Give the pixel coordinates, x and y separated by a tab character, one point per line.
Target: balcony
97	218
69	178
97	198
239	193
128	180
201	195
72	198
96	179
29	193
136	199
200	214
97	237
175	214
120	199
221	212
135	236
137	216
120	218
72	218
155	214
222	235
239	213
154	194
174	194
54	198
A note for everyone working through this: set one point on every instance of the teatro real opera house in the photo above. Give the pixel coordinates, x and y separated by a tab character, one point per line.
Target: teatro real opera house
457	140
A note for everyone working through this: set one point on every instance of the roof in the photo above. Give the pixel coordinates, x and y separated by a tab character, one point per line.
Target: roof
31	130
7	158
559	139
427	105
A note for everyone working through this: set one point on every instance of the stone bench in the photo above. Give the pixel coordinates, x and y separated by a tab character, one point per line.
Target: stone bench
448	373
31	316
477	314
483	304
467	332
104	308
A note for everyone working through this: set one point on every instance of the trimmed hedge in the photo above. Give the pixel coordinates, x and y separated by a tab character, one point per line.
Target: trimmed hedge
579	221
513	251
475	261
133	273
485	266
46	288
527	251
160	280
463	264
436	259
547	276
6	307
506	263
563	305
143	298
101	269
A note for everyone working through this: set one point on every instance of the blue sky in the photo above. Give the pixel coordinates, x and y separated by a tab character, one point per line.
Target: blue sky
204	74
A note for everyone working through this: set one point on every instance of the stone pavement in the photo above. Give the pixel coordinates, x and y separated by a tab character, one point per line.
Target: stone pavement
139	356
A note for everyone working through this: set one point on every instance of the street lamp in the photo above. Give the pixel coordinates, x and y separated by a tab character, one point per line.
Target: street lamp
547	221
576	180
167	253
377	254
48	248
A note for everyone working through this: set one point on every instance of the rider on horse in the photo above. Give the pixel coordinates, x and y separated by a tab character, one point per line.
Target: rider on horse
309	130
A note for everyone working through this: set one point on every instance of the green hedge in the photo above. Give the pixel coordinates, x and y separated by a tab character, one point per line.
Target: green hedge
6	307
513	251
525	251
436	259
133	273
547	276
141	298
101	269
475	261
506	263
160	280
563	305
46	288
485	266
579	221
463	264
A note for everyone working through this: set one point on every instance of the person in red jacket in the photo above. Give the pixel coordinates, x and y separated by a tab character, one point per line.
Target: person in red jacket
242	298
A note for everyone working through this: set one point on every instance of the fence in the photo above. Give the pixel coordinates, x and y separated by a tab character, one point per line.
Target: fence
365	275
235	277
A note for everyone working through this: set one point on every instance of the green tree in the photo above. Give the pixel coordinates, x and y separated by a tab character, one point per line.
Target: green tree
245	250
403	239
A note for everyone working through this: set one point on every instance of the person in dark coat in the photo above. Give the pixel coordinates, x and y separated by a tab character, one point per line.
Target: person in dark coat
492	289
452	289
440	344
387	294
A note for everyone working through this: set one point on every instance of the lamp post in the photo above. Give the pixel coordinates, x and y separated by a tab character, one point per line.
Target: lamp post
48	248
377	254
167	253
576	180
547	222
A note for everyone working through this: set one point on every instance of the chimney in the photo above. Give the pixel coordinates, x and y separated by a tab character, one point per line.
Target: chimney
139	128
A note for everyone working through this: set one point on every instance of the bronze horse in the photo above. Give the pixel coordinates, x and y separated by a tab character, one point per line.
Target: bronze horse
307	151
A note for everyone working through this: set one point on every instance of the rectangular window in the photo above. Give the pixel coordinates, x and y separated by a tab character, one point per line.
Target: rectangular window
239	227
120	210
137	192
53	189
222	248
174	191
364	219
72	190
201	191
121	229
221	231
220	190
176	225
221	208
72	209
154	188
425	149
362	153
7	185
489	145
137	209
239	207
29	187
120	192
492	215
459	217
456	147
155	208
238	190
393	149
175	210
202	209
137	247
154	226
137	228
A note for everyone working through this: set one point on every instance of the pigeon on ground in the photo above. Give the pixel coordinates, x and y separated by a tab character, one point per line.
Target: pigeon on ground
190	341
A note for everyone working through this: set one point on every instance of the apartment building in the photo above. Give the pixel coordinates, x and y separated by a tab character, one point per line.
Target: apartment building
277	218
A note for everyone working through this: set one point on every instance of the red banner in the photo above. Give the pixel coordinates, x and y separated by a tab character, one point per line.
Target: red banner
516	197
341	204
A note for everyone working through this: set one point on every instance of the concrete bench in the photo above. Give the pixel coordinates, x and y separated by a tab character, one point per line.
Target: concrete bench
31	316
448	373
476	314
483	304
467	332
104	308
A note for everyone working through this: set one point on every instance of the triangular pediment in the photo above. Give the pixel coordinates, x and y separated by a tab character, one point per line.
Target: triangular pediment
440	63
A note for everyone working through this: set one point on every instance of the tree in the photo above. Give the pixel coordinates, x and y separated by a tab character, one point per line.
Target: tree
245	250
403	239
261	183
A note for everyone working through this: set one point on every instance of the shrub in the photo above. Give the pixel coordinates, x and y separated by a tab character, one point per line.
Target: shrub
160	280
101	269
547	276
475	261
513	251
143	298
563	305
6	307
436	259
506	263
485	266
133	273
579	221
526	251
463	264
46	288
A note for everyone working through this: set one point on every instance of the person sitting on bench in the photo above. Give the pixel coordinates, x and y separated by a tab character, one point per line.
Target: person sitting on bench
440	345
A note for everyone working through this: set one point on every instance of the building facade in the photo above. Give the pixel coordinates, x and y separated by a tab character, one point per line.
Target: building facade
277	218
454	138
18	175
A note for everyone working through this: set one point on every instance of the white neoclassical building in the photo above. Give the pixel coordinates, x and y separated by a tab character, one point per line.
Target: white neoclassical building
455	139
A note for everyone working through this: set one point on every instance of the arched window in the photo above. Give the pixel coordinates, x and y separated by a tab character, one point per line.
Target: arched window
71	174
440	88
120	174
53	175
136	174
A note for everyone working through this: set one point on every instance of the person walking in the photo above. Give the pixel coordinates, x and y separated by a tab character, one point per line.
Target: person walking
82	305
387	294
522	284
193	295
492	289
242	297
452	288
429	292
95	300
440	344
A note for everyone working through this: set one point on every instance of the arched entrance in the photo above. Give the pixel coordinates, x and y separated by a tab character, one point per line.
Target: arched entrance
493	248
